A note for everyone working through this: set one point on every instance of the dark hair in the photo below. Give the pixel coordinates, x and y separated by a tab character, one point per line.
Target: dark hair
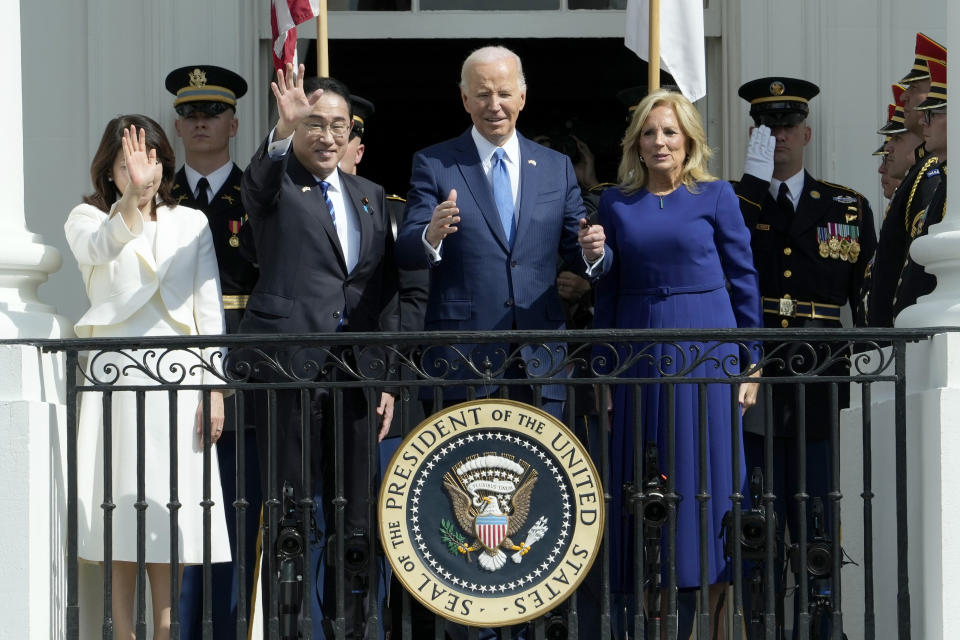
329	85
105	191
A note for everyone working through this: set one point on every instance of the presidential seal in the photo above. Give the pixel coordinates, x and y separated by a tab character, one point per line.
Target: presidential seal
491	513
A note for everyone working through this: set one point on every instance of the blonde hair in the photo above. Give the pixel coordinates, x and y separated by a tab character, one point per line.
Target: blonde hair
632	173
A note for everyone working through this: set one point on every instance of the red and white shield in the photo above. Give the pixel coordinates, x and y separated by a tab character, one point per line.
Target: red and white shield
491	530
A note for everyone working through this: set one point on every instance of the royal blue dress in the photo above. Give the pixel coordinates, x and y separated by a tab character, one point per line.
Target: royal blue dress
683	264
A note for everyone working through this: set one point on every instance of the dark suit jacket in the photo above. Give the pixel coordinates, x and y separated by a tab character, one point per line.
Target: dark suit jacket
238	274
786	253
481	283
304	286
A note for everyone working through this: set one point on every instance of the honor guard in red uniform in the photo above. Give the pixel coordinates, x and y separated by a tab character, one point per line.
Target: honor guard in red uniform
914	281
811	243
206	106
913	194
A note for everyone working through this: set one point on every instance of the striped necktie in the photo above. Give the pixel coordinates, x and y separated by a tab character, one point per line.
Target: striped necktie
324	185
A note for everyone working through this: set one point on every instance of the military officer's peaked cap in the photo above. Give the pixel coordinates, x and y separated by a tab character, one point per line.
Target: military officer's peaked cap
925	51
778	101
937	97
362	110
895	119
204	88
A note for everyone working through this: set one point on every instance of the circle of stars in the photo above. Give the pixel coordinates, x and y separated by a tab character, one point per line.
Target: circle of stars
437	566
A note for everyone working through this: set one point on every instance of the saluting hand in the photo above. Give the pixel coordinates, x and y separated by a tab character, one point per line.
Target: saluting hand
591	238
293	105
759	160
443	222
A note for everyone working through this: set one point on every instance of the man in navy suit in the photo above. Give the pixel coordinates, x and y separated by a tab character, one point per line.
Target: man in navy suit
489	212
325	248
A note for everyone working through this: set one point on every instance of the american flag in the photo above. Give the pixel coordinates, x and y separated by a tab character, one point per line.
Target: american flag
285	15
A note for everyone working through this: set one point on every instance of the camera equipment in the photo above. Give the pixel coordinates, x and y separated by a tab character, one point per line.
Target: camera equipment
289	549
654	504
819	548
753	522
356	564
819	568
555	627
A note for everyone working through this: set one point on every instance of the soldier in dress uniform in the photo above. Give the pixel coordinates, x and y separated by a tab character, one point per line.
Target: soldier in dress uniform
206	102
811	242
914	281
912	194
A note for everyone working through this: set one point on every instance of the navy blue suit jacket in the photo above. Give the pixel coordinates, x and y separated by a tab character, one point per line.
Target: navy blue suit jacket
480	282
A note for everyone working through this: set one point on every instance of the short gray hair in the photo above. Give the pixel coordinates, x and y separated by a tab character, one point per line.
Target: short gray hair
485	55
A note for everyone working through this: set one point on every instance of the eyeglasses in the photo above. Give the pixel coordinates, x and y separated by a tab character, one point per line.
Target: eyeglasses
337	129
929	113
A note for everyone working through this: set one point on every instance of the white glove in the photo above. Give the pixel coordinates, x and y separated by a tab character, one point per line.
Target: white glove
759	160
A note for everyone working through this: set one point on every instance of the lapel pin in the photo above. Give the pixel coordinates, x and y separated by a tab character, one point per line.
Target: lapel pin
533	162
365	202
304	189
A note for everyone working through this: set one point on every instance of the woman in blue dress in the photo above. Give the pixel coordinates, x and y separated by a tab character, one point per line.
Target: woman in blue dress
683	262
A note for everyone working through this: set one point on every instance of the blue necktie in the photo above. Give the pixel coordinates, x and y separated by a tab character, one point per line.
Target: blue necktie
324	185
503	194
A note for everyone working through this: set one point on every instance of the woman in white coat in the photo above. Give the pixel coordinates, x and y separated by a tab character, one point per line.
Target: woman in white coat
149	268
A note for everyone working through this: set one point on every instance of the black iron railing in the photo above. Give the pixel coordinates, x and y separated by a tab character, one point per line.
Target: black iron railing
431	365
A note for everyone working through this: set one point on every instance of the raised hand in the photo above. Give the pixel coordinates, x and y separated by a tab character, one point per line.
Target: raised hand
759	160
141	164
293	105
444	220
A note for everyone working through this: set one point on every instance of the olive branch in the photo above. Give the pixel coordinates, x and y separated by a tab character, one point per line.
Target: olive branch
454	540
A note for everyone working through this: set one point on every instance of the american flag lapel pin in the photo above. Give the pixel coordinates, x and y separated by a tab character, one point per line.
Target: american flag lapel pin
533	162
304	189
365	202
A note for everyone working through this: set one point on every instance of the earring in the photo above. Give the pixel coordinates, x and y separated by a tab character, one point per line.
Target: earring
641	158
109	179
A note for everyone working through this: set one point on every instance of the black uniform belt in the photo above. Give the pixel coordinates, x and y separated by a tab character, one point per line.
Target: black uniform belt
790	308
235	301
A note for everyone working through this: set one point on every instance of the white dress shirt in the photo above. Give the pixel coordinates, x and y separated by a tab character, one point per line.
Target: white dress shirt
216	179
794	187
347	220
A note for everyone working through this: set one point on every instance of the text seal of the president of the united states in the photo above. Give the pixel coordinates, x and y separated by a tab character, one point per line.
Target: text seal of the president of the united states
491	513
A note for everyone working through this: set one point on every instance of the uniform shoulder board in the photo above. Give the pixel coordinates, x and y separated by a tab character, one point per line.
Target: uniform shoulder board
598	188
849	196
395	197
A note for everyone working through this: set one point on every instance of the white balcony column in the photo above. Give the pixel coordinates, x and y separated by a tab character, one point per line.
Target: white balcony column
32	594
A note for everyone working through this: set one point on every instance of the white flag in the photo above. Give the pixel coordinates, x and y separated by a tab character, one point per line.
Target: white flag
681	41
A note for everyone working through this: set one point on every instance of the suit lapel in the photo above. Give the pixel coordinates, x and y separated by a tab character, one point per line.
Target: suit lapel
307	188
529	185
364	209
469	162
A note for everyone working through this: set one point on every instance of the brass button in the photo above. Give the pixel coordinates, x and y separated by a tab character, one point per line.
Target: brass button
787	273
784	323
787	251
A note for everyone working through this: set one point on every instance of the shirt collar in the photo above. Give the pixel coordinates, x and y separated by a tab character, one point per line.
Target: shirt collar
333	180
216	178
794	184
485	148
